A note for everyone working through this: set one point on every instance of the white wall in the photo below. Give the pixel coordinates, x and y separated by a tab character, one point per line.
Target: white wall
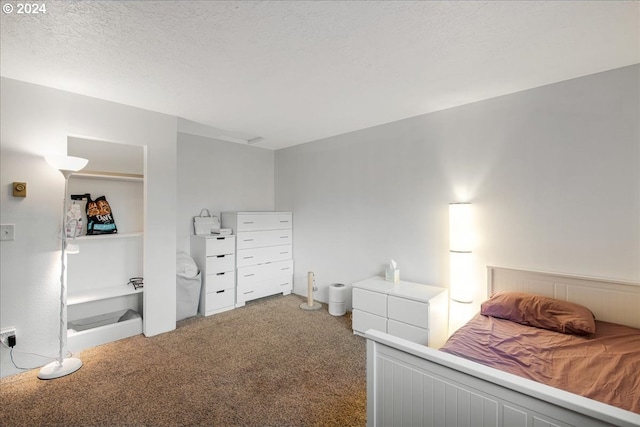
220	176
37	121
553	174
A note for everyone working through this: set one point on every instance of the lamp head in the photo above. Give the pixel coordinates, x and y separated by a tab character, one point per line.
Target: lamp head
66	164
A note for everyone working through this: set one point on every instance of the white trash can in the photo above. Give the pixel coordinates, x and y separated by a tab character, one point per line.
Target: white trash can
337	299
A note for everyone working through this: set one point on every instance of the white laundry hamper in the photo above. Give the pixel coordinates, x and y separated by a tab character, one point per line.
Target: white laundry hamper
337	299
188	284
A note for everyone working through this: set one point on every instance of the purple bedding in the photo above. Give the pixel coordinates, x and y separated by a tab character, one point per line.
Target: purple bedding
604	366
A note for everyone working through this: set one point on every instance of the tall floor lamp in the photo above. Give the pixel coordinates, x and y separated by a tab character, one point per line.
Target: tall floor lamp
460	255
62	366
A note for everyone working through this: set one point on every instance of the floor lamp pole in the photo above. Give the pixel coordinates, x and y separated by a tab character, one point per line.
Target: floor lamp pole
62	366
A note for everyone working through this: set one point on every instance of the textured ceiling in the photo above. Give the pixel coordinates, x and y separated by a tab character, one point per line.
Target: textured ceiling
293	72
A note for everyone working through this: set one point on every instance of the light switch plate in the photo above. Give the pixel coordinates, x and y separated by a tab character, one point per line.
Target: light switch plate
7	232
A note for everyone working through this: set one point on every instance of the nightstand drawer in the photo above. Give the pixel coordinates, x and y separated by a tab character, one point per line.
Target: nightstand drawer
408	311
259	239
408	332
363	321
370	302
220	245
218	281
220	263
220	299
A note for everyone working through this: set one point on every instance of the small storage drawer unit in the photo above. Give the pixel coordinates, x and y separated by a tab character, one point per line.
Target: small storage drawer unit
215	256
412	311
264	257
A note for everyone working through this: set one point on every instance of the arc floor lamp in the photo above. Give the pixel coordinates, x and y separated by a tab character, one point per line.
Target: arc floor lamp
62	366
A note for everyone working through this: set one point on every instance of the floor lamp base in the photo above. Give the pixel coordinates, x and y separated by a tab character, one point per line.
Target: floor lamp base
55	369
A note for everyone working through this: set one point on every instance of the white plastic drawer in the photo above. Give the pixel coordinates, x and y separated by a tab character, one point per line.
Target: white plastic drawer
408	332
219	299
255	256
371	302
220	245
363	321
409	311
220	263
257	239
262	289
218	281
259	273
264	221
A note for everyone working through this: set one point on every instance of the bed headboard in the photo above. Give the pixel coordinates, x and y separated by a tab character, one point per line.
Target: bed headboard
610	300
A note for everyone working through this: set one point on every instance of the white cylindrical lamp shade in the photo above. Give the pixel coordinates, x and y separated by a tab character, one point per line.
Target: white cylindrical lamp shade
460	252
460	235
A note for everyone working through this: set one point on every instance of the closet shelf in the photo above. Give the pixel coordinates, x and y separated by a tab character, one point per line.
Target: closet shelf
109	175
98	294
107	236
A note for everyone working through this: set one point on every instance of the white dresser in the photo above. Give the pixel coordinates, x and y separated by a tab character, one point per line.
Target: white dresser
412	311
264	253
215	257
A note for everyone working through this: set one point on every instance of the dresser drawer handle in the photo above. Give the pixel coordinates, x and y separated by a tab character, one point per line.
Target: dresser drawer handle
220	256
284	268
219	292
247	257
284	253
221	238
248	292
284	220
284	284
249	275
284	237
248	222
247	240
220	274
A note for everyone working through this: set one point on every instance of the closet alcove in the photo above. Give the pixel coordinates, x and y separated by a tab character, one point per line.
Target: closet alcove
102	306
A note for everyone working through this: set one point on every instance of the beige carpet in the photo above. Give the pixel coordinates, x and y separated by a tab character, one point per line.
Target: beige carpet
266	364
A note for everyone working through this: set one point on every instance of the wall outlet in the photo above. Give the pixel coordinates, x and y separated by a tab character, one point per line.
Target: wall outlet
5	334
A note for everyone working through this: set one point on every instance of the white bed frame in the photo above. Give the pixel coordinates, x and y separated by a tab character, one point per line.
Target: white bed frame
413	385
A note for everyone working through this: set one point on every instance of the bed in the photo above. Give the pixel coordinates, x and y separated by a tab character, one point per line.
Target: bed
412	385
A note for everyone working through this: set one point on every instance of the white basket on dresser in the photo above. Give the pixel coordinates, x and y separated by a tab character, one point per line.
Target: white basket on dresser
264	253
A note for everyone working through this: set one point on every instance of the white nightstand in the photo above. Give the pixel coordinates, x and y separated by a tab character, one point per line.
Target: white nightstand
412	311
215	256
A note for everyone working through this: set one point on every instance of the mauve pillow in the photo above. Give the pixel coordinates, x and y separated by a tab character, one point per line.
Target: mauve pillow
541	312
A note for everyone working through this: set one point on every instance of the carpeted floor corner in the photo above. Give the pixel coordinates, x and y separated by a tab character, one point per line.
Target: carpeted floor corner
266	364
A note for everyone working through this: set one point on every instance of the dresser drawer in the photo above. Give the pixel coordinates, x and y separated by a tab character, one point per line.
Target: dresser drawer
218	281
254	256
219	299
220	245
220	263
408	332
268	221
259	273
257	239
370	302
262	289
362	321
266	287
408	311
